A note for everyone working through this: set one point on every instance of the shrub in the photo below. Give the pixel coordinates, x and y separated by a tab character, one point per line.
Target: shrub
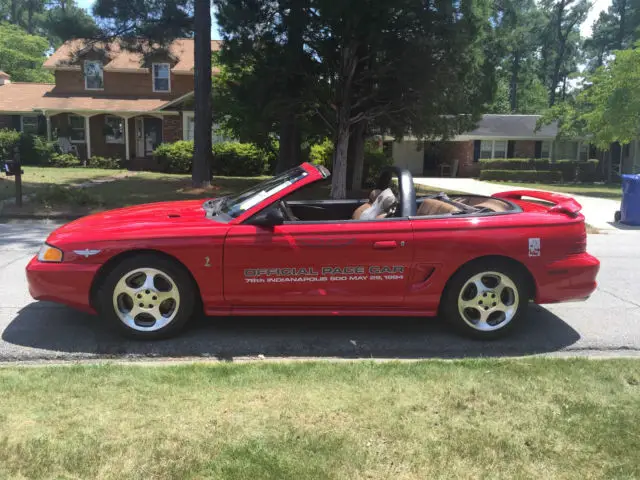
374	161
514	164
35	150
568	169
176	157
8	140
588	171
322	153
64	160
544	176
105	162
505	164
239	159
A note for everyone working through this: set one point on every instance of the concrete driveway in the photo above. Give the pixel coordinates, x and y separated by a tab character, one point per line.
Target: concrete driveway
607	324
598	212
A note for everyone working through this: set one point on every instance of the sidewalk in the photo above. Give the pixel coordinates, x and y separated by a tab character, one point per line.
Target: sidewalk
599	212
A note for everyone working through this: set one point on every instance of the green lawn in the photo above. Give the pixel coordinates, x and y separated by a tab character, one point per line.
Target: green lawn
35	178
55	193
534	418
612	190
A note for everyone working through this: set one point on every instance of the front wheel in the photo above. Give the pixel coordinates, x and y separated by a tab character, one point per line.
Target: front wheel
147	297
486	300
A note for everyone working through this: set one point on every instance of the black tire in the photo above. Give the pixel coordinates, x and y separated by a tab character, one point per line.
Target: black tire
181	279
450	310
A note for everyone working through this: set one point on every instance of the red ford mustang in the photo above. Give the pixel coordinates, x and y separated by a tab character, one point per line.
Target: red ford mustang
475	261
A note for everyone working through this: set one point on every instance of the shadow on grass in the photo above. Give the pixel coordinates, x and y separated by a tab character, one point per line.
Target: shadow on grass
136	190
59	329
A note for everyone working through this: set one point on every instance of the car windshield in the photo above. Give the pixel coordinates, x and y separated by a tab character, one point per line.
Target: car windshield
238	204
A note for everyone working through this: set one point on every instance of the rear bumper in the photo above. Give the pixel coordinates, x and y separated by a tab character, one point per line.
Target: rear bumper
569	279
65	283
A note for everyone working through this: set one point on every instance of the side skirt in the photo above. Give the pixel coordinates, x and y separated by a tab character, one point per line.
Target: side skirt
319	311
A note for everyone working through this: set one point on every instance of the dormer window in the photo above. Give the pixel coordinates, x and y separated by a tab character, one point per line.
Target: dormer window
161	77
93	79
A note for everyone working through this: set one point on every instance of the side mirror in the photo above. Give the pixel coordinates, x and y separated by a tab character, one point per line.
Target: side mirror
268	218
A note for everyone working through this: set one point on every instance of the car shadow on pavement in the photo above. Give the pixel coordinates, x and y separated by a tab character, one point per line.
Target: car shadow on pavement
62	333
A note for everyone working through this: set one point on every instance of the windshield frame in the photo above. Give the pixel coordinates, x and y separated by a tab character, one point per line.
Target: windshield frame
235	208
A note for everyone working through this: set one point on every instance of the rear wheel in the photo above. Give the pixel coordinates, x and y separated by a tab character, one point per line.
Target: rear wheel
485	300
147	297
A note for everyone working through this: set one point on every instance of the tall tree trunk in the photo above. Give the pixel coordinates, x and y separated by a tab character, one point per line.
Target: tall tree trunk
14	11
356	145
343	120
290	136
201	174
339	172
513	88
622	10
289	153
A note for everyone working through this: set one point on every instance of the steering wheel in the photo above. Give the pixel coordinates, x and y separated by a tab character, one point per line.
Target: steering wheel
406	192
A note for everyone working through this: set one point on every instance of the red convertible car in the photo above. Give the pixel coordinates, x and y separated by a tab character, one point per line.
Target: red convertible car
474	261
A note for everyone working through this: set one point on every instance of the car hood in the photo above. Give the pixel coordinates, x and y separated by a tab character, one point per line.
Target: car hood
161	219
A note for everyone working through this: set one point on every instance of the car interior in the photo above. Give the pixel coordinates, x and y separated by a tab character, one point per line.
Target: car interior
380	205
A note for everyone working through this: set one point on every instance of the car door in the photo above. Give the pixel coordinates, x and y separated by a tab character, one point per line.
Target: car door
341	264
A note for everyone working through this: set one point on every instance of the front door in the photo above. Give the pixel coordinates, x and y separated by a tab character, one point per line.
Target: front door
341	264
140	137
152	135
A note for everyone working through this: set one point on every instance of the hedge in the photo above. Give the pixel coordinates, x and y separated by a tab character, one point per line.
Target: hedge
531	176
229	158
176	157
514	164
8	141
33	150
239	160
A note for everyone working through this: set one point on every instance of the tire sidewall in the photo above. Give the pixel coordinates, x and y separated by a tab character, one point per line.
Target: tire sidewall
178	274
449	306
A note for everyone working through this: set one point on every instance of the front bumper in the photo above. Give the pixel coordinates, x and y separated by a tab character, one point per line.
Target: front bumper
66	283
570	279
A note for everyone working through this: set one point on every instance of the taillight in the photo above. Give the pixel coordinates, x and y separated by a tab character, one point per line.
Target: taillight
580	244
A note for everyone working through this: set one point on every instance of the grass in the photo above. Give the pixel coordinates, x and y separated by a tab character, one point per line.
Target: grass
611	191
53	190
535	418
36	178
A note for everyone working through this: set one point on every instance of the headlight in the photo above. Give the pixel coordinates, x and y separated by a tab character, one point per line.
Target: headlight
48	253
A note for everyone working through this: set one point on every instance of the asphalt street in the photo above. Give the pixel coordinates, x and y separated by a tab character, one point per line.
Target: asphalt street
606	324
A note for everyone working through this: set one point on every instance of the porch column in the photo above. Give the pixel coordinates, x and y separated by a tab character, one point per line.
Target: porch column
48	119
127	147
87	135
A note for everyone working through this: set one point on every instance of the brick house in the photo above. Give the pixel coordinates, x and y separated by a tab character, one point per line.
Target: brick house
495	136
108	101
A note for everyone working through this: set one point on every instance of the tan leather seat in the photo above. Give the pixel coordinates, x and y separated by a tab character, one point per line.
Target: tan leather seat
372	198
491	203
432	206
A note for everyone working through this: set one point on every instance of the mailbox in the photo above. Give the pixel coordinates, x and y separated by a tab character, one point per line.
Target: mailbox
11	168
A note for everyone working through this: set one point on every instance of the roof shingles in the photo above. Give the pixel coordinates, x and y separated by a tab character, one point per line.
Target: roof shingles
117	58
28	97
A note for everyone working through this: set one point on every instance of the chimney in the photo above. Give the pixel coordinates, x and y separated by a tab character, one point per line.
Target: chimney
5	78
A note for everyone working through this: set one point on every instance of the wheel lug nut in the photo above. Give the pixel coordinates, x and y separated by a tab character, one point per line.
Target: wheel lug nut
155	298
494	304
150	306
139	296
147	292
141	305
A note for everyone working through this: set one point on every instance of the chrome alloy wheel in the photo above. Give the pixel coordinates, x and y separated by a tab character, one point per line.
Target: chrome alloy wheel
488	301
146	299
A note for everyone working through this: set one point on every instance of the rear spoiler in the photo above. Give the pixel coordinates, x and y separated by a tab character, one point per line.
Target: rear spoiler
563	203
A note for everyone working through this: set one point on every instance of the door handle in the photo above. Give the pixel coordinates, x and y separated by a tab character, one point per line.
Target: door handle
385	245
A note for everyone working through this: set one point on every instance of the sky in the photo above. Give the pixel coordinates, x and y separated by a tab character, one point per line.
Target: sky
585	28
